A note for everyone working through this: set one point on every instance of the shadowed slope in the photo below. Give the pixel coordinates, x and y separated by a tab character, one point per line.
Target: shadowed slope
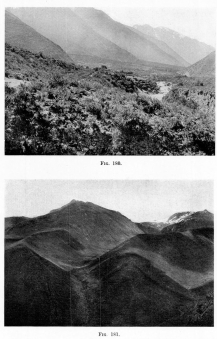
23	36
36	291
187	262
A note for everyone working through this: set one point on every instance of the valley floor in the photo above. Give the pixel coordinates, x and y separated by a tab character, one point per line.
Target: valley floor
67	109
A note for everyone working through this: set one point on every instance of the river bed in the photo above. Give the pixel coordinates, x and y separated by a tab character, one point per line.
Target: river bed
165	87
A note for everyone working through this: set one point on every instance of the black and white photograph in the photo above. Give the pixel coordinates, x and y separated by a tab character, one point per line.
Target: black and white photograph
109	253
108	169
110	81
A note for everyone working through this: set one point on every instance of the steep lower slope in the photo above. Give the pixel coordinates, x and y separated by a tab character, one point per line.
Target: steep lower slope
135	284
124	37
202	68
68	30
23	36
191	50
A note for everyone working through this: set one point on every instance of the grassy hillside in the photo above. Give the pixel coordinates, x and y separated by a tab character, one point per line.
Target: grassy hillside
23	36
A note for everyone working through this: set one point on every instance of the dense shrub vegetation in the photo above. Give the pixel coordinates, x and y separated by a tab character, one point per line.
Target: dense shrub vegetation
69	109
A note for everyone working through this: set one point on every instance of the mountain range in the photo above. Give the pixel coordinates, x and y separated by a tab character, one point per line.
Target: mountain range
85	265
190	49
90	32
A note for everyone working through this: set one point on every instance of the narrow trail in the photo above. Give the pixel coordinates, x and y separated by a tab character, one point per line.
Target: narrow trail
12	82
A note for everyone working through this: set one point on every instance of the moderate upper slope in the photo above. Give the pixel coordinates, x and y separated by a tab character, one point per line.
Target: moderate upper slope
23	36
190	49
68	30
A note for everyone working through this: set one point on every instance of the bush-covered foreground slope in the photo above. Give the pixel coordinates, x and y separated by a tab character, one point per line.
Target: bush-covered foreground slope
73	110
84	265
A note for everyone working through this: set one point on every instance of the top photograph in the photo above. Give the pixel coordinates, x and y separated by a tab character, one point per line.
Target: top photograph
110	81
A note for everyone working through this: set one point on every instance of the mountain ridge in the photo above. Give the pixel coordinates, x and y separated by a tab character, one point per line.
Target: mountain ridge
190	49
75	37
125	37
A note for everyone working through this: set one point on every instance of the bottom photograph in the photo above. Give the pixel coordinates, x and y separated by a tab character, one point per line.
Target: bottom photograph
109	253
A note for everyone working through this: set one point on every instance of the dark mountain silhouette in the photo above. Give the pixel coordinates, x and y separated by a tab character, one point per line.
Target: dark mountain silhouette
64	27
123	36
84	265
23	36
202	68
189	49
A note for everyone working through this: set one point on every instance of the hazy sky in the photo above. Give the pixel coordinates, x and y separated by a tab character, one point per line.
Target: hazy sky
137	200
197	23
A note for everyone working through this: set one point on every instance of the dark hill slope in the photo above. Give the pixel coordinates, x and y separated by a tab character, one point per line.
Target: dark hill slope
185	261
189	49
23	36
69	31
124	37
202	68
93	229
37	293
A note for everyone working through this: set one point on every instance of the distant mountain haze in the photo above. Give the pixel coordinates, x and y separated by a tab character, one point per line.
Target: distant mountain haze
23	36
190	49
162	45
75	36
123	36
91	32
